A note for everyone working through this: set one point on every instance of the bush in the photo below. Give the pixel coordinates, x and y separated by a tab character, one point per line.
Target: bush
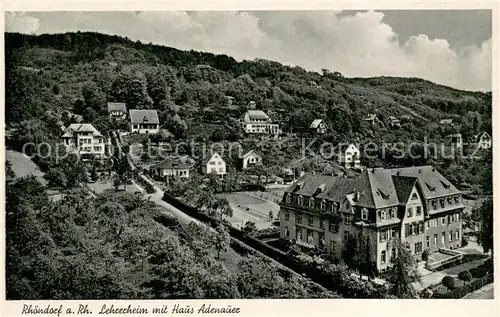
467	288
479	271
465	276
449	282
465	241
425	255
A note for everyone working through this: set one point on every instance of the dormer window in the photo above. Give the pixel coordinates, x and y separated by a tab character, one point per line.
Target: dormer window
449	200
300	185
300	200
288	198
414	196
457	199
334	207
145	119
323	204
393	213
382	215
441	202
311	202
364	214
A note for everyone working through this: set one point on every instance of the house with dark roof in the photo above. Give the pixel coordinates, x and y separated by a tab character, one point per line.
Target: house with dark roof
214	163
173	167
117	110
250	159
85	140
144	121
318	126
417	205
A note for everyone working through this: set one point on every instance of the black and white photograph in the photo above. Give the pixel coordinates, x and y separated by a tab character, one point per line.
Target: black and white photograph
306	154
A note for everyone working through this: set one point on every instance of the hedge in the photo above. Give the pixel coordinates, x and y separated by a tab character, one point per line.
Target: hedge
460	292
465	276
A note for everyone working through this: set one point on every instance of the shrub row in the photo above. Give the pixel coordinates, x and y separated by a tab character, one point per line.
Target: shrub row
467	288
267	233
144	182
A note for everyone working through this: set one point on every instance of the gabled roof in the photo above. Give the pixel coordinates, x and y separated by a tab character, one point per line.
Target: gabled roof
393	119
446	121
175	163
209	157
251	152
80	127
144	116
117	106
342	147
481	135
316	123
370	117
404	186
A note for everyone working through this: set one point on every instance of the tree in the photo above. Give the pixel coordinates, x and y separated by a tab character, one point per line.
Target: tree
249	227
369	266
484	217
56	177
93	97
131	89
222	239
402	272
123	173
349	253
449	282
9	172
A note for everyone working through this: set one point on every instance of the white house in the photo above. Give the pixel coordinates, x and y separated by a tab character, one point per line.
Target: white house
84	139
348	155
214	163
173	167
483	140
117	110
258	122
144	121
319	126
250	159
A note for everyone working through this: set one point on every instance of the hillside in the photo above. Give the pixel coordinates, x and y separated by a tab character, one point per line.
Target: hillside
57	72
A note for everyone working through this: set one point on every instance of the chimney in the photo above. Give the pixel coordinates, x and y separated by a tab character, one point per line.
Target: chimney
399	172
420	171
356	196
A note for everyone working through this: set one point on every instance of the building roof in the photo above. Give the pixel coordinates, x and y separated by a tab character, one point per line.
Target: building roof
117	106
316	123
342	147
370	117
481	135
446	121
256	114
144	116
175	163
251	152
209	157
393	119
80	127
377	188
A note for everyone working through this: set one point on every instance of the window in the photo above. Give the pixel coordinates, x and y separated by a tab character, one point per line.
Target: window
393	233
287	232
427	242
383	236
310	237
457	235
407	230
427	224
299	234
135	126
311	202
287	215
382	257
346	235
412	229
409	212
333	246
347	220
441	202
288	198
414	196
364	214
300	200
443	220
323	204
299	217
450	236
334	227
418	247
435	221
443	236
419	210
334	207
321	238
321	224
393	213
310	221
221	170
457	199
382	215
421	227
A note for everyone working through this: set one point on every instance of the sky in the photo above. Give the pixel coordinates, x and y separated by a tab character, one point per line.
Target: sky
448	47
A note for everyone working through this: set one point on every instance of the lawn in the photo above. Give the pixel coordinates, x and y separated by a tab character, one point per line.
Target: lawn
100	187
24	166
248	207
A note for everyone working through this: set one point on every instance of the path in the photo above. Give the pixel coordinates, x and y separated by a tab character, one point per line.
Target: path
23	166
485	292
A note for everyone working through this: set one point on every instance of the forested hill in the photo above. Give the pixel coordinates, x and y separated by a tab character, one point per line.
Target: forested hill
80	72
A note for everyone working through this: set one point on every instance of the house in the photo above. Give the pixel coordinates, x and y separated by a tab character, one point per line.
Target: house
214	163
455	139
258	122
250	159
318	126
348	155
144	121
371	118
446	121
415	204
393	122
173	167
117	110
483	140
85	140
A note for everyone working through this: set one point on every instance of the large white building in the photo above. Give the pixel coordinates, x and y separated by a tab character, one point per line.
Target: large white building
258	122
84	139
144	121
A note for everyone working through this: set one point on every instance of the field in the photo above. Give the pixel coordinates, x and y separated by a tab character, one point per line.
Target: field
100	187
248	207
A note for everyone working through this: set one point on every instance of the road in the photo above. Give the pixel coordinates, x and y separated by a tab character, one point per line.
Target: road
485	292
